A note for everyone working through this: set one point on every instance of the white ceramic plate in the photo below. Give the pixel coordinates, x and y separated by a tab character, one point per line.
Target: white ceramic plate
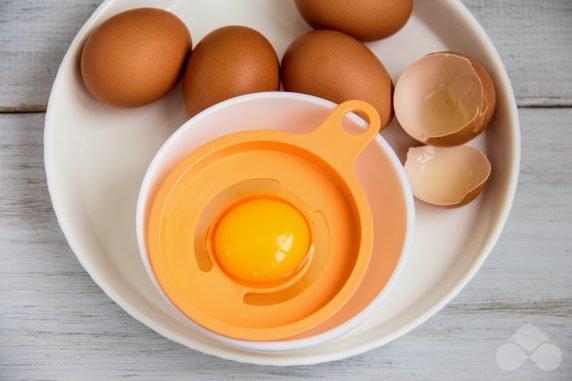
96	157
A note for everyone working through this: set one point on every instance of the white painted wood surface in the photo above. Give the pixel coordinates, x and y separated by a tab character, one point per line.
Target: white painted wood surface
56	324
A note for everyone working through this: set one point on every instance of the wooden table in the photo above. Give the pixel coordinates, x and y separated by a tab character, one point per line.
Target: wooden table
56	324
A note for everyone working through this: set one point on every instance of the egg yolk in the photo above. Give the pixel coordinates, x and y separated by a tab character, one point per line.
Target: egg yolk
261	240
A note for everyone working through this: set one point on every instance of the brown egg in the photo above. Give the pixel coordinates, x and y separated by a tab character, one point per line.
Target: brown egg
228	62
444	99
337	67
365	20
447	177
135	57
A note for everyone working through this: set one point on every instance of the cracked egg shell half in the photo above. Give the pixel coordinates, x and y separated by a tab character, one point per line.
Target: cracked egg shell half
444	99
447	177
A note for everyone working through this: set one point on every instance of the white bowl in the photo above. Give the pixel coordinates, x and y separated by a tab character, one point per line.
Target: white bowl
96	157
297	113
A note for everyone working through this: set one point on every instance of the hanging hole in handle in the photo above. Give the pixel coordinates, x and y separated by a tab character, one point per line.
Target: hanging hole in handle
336	140
364	111
352	125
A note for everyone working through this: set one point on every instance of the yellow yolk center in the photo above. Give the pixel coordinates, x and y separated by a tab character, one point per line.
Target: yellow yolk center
261	240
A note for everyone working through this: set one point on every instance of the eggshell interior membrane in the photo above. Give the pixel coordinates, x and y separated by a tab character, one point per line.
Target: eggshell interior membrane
447	176
444	99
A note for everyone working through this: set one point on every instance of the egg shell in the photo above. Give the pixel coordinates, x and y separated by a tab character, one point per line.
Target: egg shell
337	67
448	177
366	20
482	120
228	62
429	72
135	57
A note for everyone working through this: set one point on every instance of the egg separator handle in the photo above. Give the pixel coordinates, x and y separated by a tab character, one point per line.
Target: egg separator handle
339	145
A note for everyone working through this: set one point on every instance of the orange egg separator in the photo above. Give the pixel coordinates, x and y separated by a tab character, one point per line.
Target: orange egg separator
313	173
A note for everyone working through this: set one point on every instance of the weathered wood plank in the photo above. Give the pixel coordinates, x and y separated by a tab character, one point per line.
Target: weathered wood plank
34	36
56	324
533	37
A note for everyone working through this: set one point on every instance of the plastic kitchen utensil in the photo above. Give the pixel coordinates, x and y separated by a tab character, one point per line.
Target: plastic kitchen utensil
312	175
